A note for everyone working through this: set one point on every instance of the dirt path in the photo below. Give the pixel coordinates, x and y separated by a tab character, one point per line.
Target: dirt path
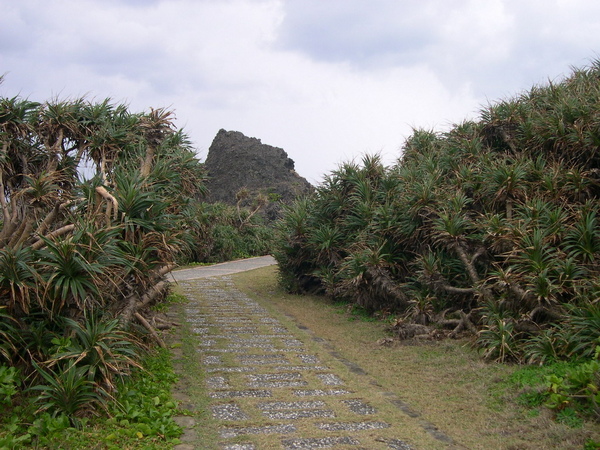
272	384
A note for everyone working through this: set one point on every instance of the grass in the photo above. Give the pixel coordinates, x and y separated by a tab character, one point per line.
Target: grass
190	390
479	404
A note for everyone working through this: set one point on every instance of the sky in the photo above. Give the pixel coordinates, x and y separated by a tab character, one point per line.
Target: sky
326	80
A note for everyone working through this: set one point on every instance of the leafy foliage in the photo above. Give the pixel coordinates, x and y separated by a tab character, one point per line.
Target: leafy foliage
68	392
95	203
9	380
100	348
491	226
224	233
140	417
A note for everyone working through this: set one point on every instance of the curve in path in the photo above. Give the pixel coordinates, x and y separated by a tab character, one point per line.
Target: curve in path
226	268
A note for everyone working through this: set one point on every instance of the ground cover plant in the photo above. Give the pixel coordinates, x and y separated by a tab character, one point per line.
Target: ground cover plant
490	228
140	414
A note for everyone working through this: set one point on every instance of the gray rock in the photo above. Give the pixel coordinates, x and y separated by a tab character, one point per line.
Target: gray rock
235	161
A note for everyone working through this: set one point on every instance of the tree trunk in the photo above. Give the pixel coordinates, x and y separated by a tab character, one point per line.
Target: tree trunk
112	205
50	218
149	327
146	167
471	271
59	232
135	303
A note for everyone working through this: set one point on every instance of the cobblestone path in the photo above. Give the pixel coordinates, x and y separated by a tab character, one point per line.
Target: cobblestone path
274	385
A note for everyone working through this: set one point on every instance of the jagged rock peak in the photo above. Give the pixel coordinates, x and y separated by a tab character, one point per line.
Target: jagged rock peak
235	161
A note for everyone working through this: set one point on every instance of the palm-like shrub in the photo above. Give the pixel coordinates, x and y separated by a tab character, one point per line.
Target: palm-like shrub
104	351
223	232
498	213
67	391
8	333
18	278
71	245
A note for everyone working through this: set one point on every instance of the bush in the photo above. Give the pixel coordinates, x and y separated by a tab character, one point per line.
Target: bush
578	390
499	214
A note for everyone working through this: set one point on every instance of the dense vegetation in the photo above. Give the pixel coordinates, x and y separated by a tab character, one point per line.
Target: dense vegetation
97	204
491	228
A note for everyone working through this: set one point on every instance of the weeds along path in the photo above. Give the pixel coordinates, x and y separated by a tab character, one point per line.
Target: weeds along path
253	379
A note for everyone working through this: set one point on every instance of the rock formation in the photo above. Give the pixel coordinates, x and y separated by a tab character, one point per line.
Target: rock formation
235	162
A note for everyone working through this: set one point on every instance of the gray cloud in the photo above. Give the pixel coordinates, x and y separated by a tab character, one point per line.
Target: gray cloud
496	46
363	33
326	80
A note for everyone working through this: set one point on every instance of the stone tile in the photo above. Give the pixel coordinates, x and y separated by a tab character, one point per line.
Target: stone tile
263	359
246	345
239	447
270	320
228	411
241	330
232	432
359	407
309	443
227	336
262	339
397	444
274	336
240	349
217	382
241	393
279	406
276	384
184	421
329	379
352	426
229	369
212	360
228	320
275	376
276	380
299	414
308	359
320	392
301	368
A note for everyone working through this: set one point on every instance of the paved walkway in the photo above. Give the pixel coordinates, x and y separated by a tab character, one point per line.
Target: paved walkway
274	385
227	268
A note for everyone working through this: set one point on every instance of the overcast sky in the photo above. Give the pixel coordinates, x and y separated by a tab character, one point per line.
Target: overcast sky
326	80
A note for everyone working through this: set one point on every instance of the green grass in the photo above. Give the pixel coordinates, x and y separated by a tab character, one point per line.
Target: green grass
355	312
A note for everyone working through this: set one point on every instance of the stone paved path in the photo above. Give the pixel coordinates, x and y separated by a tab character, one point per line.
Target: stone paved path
274	385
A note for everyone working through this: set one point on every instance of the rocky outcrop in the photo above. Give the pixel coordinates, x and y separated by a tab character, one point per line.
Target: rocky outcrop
235	162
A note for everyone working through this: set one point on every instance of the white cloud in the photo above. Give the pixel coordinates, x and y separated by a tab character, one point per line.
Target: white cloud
325	79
